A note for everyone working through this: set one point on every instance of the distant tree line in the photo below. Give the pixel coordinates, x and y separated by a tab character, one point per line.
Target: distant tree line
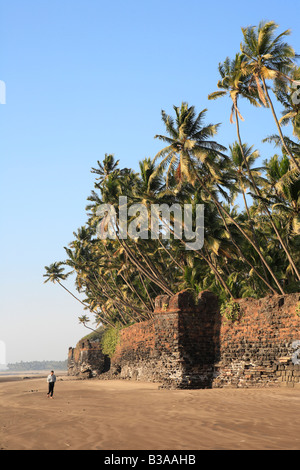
38	365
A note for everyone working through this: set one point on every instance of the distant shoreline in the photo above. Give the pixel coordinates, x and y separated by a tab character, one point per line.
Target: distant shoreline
12	376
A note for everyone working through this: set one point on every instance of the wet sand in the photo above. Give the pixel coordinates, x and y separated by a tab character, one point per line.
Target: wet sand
123	415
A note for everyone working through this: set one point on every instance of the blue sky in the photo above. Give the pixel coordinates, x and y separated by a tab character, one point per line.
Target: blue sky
85	78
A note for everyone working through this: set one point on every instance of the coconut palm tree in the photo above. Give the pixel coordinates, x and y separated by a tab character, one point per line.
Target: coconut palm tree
236	83
189	142
237	157
55	273
107	167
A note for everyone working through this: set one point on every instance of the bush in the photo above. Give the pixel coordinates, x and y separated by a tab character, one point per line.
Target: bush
110	340
230	310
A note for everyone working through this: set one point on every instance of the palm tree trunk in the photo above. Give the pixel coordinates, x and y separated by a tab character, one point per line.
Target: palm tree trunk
256	248
85	305
113	297
172	258
243	256
128	284
216	272
246	205
117	300
147	292
143	270
132	288
278	125
72	294
210	264
149	264
252	226
258	193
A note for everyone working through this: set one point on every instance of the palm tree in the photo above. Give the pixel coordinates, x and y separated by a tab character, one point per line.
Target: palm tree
236	83
107	167
285	93
151	182
194	161
285	193
268	58
188	144
55	273
237	157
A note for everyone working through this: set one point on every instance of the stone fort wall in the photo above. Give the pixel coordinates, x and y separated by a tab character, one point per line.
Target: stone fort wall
189	344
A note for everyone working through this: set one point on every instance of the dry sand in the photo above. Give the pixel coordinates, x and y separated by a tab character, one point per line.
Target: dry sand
122	415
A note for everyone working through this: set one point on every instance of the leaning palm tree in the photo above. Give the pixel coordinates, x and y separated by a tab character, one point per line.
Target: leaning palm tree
268	58
236	83
55	273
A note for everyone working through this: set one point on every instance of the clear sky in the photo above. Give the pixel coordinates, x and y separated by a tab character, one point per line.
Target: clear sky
84	78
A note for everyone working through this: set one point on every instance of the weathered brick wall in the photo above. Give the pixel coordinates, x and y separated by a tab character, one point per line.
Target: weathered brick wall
149	350
189	344
261	347
176	347
87	360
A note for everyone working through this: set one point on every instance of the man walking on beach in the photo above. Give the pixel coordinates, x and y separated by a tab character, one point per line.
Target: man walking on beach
51	381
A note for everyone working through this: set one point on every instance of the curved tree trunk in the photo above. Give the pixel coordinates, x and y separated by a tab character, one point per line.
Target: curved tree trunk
219	206
278	125
266	209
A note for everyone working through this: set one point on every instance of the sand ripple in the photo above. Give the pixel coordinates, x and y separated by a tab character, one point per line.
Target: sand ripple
122	415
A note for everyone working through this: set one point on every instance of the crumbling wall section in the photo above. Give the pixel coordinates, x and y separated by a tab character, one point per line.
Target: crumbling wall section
189	344
87	359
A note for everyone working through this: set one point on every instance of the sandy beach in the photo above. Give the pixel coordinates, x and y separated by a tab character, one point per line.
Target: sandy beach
123	415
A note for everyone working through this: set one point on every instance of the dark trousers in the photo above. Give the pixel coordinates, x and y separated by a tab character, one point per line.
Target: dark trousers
51	389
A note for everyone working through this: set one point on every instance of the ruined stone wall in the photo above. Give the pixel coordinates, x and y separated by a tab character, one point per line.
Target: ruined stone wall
176	347
87	360
149	350
261	348
189	344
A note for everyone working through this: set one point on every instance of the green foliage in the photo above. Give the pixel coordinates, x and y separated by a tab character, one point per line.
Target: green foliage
110	340
298	309
230	310
250	250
